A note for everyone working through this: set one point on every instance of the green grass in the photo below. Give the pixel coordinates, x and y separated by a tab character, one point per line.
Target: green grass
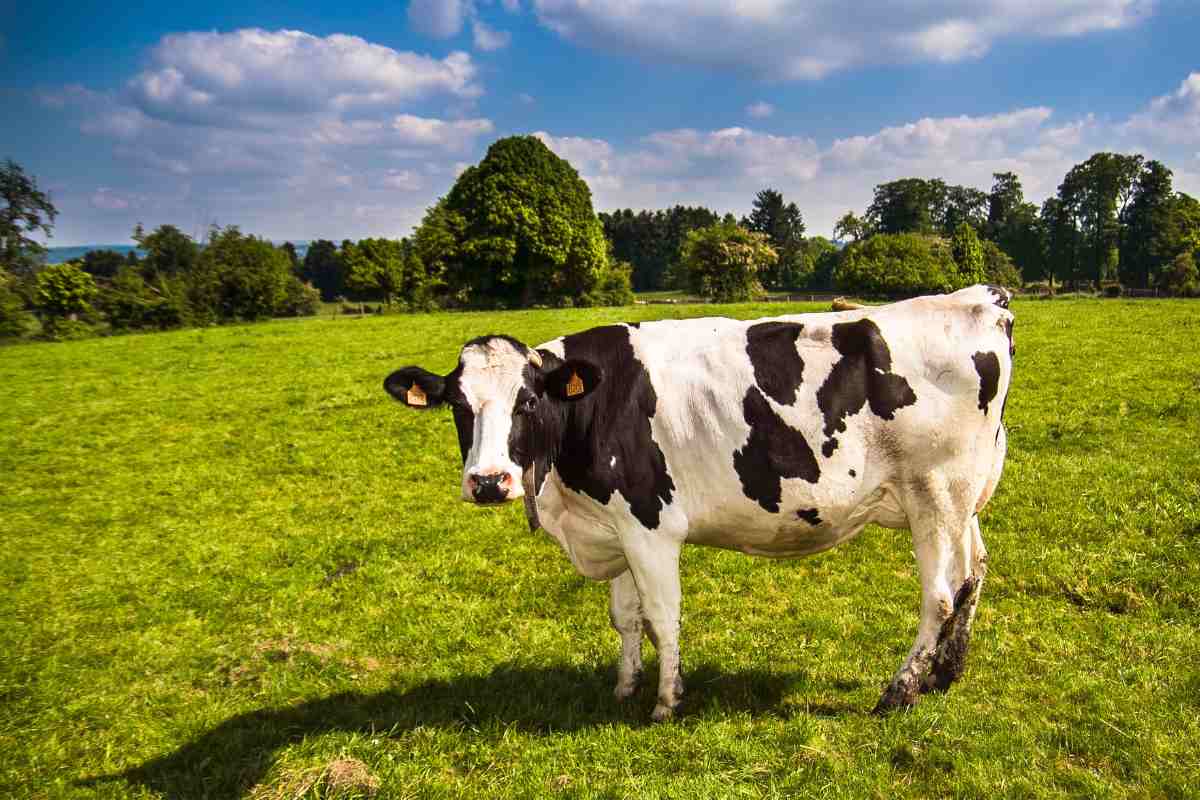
231	563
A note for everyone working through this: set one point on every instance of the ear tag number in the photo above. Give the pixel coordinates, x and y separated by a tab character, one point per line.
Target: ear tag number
416	397
575	385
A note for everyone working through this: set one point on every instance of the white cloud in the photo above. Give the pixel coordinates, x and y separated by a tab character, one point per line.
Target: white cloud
438	18
760	110
1172	118
252	77
283	132
488	39
794	39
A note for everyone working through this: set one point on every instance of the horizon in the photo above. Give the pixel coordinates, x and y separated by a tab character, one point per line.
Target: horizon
315	123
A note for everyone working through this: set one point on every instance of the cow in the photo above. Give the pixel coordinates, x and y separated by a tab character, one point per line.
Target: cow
777	437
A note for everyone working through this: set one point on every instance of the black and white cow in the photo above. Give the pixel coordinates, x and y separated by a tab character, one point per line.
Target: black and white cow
778	437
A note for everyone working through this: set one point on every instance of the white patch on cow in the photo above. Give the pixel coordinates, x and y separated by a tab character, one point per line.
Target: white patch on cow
492	374
612	462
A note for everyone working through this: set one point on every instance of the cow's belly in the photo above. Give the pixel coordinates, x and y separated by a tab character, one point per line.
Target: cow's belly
587	531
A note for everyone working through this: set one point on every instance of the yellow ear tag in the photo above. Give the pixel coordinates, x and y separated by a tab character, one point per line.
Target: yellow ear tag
575	385
416	397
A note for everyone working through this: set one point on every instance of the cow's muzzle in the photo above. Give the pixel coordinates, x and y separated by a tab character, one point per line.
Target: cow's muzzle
493	487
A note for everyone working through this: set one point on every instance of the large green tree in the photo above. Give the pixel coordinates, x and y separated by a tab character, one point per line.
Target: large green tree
324	268
169	251
900	264
26	210
783	226
528	232
1095	195
239	277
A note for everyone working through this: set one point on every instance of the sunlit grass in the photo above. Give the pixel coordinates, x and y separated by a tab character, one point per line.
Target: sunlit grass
230	561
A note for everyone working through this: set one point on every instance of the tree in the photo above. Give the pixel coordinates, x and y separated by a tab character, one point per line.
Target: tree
1062	241
237	276
1182	278
822	256
908	205
374	266
102	263
724	262
900	264
289	250
323	268
169	251
26	210
998	268
528	235
1003	201
12	309
64	291
851	227
784	228
968	255
1095	194
963	205
129	303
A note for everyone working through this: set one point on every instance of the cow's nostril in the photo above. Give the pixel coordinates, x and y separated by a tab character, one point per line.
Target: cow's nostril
490	488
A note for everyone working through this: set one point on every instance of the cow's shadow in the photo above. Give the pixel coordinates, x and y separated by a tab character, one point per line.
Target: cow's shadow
225	762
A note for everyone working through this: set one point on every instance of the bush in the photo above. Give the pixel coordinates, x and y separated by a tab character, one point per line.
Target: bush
65	329
724	262
64	290
301	300
13	317
1182	278
238	277
898	264
998	268
130	304
614	288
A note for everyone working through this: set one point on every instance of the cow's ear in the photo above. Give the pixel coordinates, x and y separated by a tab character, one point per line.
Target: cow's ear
572	380
415	387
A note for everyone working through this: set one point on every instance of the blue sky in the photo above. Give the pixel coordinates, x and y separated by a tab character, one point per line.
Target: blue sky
307	120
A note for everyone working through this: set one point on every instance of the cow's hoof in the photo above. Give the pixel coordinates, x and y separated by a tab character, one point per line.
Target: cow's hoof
663	713
624	691
897	696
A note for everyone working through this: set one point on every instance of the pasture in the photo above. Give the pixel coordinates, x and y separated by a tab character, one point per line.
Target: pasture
233	567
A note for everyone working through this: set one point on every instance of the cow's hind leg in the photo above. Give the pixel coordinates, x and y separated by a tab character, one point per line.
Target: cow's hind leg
950	656
943	541
625	611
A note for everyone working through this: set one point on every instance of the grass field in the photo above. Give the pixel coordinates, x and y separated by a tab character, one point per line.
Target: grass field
233	567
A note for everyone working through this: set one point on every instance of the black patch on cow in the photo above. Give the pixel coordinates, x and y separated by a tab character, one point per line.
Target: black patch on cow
853	474
862	376
1002	296
953	642
773	451
809	515
988	367
778	367
581	439
634	324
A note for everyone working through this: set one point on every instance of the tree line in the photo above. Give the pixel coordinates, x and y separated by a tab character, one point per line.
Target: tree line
518	230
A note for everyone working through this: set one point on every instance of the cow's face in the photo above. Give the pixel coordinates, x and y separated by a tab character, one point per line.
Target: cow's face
500	392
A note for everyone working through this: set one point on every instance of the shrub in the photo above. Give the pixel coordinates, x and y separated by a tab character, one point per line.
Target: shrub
130	304
724	262
998	268
301	300
13	317
898	264
1182	278
64	291
614	288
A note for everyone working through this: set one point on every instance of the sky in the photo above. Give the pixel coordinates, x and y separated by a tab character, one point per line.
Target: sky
306	120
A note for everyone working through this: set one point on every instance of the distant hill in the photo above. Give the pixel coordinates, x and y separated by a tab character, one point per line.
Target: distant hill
57	255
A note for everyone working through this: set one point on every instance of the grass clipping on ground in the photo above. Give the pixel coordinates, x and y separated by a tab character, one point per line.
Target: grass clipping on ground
343	778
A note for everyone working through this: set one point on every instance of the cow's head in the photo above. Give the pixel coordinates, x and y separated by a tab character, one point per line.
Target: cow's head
501	392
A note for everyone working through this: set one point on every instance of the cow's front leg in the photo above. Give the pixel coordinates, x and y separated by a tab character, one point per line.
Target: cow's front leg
654	563
625	611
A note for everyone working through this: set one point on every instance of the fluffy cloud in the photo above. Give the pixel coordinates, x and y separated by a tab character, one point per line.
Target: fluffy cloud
252	76
794	39
284	132
724	168
488	39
